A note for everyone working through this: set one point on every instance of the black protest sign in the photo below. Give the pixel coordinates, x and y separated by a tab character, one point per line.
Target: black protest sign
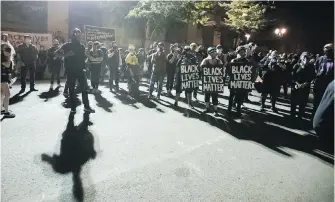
242	75
212	79
101	34
190	76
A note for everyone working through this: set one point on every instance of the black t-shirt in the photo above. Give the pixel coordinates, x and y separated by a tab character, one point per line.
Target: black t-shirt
5	72
302	75
77	61
28	54
51	55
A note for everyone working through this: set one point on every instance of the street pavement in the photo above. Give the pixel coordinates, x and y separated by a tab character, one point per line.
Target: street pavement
149	151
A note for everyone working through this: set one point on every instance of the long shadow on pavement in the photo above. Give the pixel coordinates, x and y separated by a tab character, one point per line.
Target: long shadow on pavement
18	98
270	130
77	148
103	102
49	94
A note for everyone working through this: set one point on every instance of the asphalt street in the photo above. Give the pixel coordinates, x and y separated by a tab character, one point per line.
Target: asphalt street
150	151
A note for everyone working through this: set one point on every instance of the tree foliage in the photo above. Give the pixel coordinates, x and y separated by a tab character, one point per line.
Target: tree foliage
246	15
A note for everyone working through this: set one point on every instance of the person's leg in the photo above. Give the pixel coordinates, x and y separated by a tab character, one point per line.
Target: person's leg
303	101
207	99
52	78
231	101
81	80
160	84
189	99
215	102
152	83
239	98
263	99
195	94
23	76
274	97
111	76
294	99
285	87
32	70
117	78
97	81
168	80
6	95
58	75
93	76
71	84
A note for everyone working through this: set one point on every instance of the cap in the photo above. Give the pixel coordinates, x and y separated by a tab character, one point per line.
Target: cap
26	36
211	50
219	46
76	31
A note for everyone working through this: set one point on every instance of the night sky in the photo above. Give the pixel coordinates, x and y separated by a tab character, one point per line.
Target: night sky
310	23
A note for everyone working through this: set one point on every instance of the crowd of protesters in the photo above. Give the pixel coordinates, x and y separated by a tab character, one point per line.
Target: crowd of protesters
95	60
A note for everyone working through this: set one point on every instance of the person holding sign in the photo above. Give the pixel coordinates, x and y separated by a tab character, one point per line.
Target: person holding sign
173	57
212	79
187	76
242	74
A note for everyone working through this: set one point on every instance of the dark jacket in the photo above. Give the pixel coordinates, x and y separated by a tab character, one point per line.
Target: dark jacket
323	121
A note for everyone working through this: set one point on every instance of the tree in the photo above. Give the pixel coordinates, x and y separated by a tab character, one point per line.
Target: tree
160	14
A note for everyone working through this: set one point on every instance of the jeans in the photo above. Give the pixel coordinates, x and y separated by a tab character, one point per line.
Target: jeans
113	76
72	77
156	77
170	77
236	97
55	71
24	71
214	98
95	75
299	97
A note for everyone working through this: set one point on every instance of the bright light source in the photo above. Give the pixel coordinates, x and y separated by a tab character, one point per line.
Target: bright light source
283	31
277	31
247	36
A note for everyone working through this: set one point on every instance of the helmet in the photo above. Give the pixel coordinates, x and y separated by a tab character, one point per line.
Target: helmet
211	50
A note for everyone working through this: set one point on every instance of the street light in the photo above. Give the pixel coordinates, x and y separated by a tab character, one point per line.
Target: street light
280	31
247	36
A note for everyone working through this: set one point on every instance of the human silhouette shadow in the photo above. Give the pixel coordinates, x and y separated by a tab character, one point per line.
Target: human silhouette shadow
103	102
125	99
49	94
77	148
67	102
18	98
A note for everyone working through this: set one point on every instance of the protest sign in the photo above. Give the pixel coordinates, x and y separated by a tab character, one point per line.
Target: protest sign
101	34
212	79
242	76
17	38
190	76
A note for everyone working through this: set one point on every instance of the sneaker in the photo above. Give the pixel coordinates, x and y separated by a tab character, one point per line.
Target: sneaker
191	105
89	110
9	115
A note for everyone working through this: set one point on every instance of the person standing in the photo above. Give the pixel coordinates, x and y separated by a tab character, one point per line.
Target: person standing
27	56
159	70
172	59
237	95
141	60
212	61
324	68
6	69
272	81
302	76
114	62
54	64
74	54
193	47
186	59
152	50
95	60
133	72
41	63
